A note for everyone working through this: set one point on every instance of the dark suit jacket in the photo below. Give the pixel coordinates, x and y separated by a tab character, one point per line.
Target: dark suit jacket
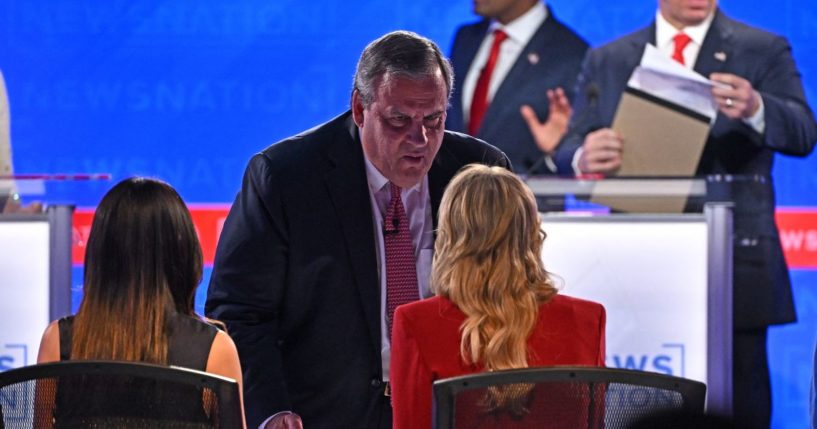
426	347
762	294
559	51
296	275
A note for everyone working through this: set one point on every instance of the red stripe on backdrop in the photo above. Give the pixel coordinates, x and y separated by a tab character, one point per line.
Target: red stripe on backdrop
209	220
798	232
82	227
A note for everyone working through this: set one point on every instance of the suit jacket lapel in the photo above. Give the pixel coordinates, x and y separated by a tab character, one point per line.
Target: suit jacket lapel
637	43
443	169
471	46
349	192
538	46
716	48
465	51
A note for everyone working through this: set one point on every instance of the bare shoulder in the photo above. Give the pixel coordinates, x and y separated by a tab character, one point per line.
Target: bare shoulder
223	344
50	344
223	359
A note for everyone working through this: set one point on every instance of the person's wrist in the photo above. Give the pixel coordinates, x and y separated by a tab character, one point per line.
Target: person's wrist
755	104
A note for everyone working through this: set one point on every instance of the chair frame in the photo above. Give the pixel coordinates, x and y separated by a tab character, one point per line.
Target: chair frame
226	389
692	392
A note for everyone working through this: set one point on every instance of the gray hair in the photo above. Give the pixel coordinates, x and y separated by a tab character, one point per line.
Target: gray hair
400	53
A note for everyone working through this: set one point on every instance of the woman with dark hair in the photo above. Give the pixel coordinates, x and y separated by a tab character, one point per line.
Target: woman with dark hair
143	263
496	306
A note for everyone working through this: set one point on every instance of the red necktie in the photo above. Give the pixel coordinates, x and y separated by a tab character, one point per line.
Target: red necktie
681	42
479	104
401	269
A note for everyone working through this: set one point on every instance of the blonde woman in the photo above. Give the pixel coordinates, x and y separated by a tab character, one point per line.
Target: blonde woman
496	307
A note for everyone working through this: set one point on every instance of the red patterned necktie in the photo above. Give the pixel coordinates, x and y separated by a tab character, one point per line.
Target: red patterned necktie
479	104
401	269
681	41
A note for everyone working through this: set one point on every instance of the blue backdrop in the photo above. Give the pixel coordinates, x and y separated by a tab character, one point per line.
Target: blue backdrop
188	90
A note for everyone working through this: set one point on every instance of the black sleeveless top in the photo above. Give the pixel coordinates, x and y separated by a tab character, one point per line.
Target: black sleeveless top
189	340
117	402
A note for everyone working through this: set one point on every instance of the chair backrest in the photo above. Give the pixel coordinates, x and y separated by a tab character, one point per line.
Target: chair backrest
561	397
97	394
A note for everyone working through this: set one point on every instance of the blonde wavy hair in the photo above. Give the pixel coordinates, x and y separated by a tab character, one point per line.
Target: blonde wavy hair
487	261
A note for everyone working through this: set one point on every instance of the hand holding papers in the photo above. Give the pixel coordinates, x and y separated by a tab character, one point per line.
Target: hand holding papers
664	117
668	80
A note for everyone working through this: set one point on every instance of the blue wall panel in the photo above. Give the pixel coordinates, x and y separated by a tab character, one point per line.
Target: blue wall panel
188	90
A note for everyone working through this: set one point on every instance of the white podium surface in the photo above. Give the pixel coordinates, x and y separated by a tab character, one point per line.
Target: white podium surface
24	290
35	280
650	273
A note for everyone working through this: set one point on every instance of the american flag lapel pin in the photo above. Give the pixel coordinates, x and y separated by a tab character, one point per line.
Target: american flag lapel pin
533	58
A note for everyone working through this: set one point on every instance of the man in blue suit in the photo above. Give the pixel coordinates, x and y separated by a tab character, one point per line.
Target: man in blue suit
536	57
762	111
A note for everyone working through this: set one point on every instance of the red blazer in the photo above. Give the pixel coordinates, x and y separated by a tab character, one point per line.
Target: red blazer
426	346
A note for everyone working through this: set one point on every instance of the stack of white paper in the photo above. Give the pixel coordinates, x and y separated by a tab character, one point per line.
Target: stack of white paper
665	78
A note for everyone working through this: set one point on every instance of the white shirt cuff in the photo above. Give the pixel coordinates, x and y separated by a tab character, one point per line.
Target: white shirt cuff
575	163
550	164
758	120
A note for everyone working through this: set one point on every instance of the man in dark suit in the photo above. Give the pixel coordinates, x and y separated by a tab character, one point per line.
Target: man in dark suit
537	57
304	275
761	111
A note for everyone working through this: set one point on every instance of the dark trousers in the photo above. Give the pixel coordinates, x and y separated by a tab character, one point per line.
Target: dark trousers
752	396
386	414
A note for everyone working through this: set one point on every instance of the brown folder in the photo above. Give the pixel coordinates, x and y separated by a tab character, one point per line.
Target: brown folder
660	139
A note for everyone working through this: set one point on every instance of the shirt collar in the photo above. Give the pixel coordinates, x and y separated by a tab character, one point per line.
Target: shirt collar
665	32
522	29
377	181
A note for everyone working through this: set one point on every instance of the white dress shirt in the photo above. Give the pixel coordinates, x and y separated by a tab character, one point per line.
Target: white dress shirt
519	32
417	203
665	34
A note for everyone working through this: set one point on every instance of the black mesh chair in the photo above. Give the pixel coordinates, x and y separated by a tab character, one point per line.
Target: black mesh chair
561	397
106	394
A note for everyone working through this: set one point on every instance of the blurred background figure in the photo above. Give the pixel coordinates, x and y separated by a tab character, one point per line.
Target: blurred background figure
9	199
496	306
142	265
516	65
5	130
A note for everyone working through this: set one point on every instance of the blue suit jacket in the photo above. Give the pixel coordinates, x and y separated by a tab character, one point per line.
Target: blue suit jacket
559	51
762	292
296	279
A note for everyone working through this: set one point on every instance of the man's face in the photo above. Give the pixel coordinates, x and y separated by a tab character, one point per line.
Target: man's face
685	13
503	11
402	129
